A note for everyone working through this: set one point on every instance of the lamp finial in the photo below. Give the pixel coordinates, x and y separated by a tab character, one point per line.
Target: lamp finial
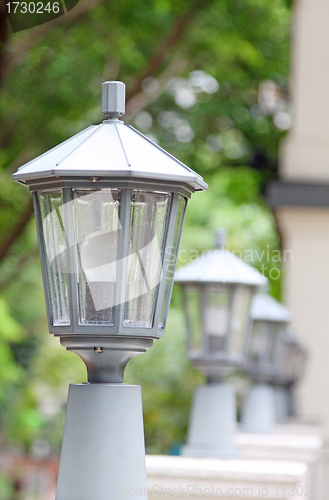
113	99
220	238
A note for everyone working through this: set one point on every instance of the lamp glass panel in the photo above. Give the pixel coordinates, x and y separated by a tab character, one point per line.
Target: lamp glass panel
149	213
55	251
275	333
240	316
216	317
288	361
193	317
97	226
172	260
284	361
257	343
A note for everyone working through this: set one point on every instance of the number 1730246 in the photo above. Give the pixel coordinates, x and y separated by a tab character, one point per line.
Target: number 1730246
32	7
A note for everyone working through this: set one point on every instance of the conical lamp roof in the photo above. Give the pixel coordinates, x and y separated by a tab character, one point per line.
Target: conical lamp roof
265	308
110	149
220	266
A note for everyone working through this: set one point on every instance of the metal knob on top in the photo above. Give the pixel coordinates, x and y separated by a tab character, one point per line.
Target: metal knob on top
220	238
113	99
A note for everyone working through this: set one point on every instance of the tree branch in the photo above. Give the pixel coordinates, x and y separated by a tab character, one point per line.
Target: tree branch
80	10
17	230
21	263
158	57
142	99
3	37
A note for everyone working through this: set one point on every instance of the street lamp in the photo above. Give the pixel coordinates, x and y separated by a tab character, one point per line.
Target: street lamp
109	206
217	290
292	368
263	357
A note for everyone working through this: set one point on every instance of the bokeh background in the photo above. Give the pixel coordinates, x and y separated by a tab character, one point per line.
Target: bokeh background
205	79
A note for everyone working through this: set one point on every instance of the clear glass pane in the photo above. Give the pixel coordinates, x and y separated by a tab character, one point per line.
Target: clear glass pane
193	318
216	318
274	341
257	345
51	208
148	226
173	260
96	220
240	316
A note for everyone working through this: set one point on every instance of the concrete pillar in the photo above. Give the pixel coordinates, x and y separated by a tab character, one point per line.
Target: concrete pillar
305	232
300	200
305	153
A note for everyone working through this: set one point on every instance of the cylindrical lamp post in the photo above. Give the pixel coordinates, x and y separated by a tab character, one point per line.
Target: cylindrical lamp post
109	203
292	368
217	291
263	356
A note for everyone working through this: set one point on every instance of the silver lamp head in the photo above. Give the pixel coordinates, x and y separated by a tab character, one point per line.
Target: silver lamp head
113	99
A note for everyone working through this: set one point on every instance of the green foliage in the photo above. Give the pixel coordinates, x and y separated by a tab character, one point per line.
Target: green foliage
6	491
10	333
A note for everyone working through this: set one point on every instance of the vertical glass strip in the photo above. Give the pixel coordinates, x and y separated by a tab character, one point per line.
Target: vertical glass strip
257	345
216	318
173	252
239	319
54	239
96	221
148	227
192	302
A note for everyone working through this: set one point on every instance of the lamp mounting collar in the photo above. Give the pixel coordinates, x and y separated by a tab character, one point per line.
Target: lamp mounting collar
106	357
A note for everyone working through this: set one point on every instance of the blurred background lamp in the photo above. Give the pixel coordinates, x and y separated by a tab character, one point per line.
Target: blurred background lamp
108	203
269	321
291	370
217	290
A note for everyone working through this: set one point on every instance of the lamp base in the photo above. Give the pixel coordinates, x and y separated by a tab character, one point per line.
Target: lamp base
103	454
258	412
281	404
212	423
292	403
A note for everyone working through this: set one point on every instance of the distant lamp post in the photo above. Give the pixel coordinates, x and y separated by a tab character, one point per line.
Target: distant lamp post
108	204
263	357
292	368
217	290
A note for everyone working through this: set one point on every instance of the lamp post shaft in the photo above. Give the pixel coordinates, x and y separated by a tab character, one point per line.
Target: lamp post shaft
103	455
281	404
212	423
258	412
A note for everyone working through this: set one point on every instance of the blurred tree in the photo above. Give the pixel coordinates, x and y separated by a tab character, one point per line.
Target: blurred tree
207	80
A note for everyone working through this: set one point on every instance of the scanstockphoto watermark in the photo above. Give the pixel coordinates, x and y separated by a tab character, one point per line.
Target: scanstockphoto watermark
158	490
27	14
194	490
268	261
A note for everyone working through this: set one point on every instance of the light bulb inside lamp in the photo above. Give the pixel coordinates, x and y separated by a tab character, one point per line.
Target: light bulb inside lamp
98	253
